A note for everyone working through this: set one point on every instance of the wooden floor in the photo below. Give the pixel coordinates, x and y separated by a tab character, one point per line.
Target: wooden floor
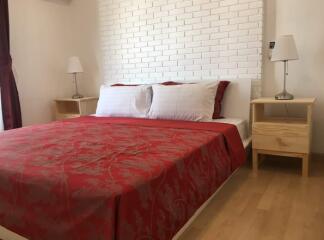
273	205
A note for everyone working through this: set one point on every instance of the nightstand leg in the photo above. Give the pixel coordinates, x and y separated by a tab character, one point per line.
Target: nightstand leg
255	160
306	165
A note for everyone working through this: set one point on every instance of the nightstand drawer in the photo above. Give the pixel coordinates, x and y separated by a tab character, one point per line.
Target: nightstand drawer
277	129
281	144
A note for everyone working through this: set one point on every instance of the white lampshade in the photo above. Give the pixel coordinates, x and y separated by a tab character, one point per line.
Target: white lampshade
285	49
74	65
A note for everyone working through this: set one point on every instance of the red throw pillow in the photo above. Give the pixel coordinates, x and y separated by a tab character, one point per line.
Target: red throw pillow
219	98
124	85
170	83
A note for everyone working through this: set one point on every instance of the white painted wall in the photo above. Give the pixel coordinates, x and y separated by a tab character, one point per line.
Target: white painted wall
184	40
303	19
40	45
42	30
85	23
44	33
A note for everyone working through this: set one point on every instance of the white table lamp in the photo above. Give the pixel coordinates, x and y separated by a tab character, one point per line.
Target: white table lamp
285	50
75	67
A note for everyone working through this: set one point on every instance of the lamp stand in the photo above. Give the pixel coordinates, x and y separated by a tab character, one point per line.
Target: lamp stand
284	95
76	95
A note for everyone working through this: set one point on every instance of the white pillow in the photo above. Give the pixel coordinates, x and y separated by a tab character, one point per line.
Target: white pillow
191	102
124	101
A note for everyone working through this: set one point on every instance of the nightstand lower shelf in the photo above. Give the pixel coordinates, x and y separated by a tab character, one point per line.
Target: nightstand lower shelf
72	108
304	156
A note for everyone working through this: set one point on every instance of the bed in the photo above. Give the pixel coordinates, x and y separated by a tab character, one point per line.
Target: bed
113	178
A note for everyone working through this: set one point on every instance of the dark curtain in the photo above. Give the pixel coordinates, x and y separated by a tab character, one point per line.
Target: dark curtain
9	94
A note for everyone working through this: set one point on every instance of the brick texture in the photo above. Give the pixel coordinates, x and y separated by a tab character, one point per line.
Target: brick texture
182	40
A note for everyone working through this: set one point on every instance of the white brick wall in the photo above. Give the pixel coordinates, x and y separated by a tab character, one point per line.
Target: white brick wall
184	40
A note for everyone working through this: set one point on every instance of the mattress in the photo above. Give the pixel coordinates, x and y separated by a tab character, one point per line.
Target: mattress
242	127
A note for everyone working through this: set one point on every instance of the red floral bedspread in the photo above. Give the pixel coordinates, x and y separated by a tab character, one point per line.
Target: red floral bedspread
111	178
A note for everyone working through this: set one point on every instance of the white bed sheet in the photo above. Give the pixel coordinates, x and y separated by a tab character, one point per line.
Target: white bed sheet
242	127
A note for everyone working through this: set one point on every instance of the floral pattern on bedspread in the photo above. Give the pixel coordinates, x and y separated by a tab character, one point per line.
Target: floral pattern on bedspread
92	178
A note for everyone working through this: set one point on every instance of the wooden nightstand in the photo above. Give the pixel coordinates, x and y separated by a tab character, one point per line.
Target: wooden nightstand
282	136
71	108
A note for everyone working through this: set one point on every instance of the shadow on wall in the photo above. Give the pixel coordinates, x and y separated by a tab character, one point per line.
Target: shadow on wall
269	85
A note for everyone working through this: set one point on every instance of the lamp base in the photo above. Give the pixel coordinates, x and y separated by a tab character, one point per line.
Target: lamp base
77	96
284	96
